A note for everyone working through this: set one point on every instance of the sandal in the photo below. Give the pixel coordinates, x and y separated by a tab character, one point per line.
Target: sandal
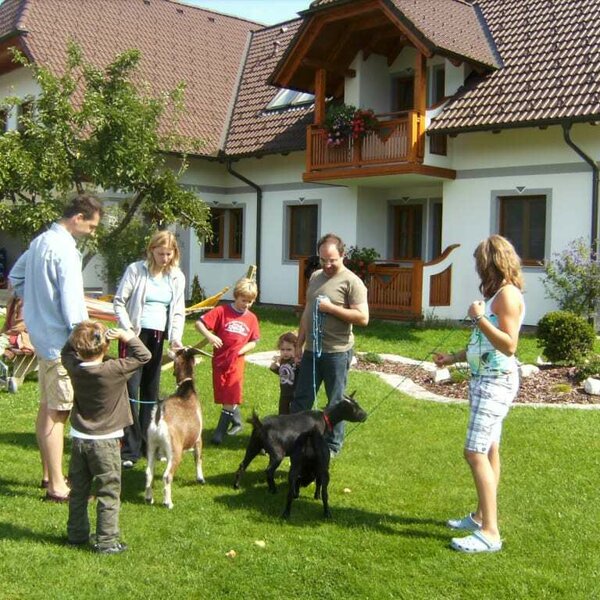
467	523
475	543
49	497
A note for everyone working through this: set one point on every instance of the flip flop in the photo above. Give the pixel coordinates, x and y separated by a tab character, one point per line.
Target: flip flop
475	543
49	497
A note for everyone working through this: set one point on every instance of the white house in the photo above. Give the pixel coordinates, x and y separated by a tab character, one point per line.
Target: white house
487	115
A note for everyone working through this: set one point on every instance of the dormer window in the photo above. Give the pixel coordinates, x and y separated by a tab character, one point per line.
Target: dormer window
288	98
436	84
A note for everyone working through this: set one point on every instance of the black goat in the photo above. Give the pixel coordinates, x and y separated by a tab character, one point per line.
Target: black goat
277	434
309	462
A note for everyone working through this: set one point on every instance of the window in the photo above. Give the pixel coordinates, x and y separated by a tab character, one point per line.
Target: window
436	229
523	222
24	110
286	98
403	93
303	224
408	231
228	234
436	84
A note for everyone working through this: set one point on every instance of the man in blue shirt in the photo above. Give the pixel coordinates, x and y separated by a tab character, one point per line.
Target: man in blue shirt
48	278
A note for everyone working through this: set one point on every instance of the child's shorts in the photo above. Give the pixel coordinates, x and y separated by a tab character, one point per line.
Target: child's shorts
490	398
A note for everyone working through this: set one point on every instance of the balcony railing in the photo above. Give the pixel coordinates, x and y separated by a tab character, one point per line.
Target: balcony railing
398	140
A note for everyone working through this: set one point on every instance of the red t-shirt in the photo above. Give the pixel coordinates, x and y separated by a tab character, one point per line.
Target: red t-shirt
236	330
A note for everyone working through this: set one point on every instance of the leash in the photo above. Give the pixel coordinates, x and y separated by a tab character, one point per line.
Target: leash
414	369
318	319
134	401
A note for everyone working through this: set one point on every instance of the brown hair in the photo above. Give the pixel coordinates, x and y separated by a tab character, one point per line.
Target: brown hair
497	264
88	338
289	337
331	238
245	287
84	204
158	240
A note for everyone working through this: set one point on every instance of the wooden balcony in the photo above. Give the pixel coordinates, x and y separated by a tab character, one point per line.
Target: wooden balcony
396	147
395	288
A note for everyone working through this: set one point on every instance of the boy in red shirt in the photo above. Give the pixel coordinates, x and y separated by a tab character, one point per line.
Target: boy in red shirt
233	331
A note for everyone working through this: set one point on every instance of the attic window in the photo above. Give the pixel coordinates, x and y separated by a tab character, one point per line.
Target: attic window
286	98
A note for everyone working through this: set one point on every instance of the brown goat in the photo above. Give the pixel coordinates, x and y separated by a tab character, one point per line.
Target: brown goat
176	426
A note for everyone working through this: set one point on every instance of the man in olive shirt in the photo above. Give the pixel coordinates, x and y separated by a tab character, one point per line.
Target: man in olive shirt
336	300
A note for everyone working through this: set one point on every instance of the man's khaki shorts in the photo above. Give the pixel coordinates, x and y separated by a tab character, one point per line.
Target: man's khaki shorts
55	385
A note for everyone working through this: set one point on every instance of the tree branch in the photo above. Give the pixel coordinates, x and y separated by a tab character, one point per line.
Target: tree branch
137	202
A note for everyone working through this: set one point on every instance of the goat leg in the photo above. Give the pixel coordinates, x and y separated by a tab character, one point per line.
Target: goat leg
254	447
150	474
325	495
273	464
198	459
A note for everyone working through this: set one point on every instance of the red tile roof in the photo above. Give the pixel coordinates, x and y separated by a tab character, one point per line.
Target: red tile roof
449	27
551	55
9	14
254	129
178	42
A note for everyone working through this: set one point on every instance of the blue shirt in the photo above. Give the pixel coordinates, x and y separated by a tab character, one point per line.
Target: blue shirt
48	278
156	305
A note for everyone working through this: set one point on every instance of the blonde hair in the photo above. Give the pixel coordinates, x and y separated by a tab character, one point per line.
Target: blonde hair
245	287
158	240
497	264
88	338
289	337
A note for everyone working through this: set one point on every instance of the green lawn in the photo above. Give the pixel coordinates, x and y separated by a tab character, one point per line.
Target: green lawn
399	477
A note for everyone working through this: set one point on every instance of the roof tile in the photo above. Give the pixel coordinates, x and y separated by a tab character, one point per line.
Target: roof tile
178	42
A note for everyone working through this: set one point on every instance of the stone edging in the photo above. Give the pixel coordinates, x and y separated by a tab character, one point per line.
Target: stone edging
407	386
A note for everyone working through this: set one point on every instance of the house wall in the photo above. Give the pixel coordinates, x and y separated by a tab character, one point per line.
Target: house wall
280	177
488	165
371	86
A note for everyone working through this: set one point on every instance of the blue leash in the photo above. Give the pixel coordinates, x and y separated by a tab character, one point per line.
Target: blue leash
133	400
317	334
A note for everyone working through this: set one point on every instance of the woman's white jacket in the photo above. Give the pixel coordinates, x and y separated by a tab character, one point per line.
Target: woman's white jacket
131	295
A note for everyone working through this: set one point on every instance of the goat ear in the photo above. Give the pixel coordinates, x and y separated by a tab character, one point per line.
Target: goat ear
352	394
171	354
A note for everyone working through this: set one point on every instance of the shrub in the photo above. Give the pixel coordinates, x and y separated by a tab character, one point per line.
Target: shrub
589	367
573	279
372	357
197	293
565	337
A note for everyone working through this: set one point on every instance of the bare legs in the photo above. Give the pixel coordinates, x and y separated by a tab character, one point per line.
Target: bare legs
49	429
486	474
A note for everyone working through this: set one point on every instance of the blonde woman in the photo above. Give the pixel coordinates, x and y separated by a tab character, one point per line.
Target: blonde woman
493	386
150	301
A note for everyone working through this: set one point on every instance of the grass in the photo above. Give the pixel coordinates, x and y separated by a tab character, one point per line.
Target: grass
387	538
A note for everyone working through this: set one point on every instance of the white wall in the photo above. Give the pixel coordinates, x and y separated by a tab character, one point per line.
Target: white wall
489	164
17	83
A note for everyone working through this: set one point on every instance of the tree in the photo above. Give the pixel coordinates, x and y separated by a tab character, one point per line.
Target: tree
93	129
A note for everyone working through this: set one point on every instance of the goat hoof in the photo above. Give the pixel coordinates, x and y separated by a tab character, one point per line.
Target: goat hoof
201	480
149	500
169	506
327	514
285	515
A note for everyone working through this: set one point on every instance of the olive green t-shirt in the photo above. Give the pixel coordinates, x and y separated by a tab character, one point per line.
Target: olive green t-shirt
343	289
